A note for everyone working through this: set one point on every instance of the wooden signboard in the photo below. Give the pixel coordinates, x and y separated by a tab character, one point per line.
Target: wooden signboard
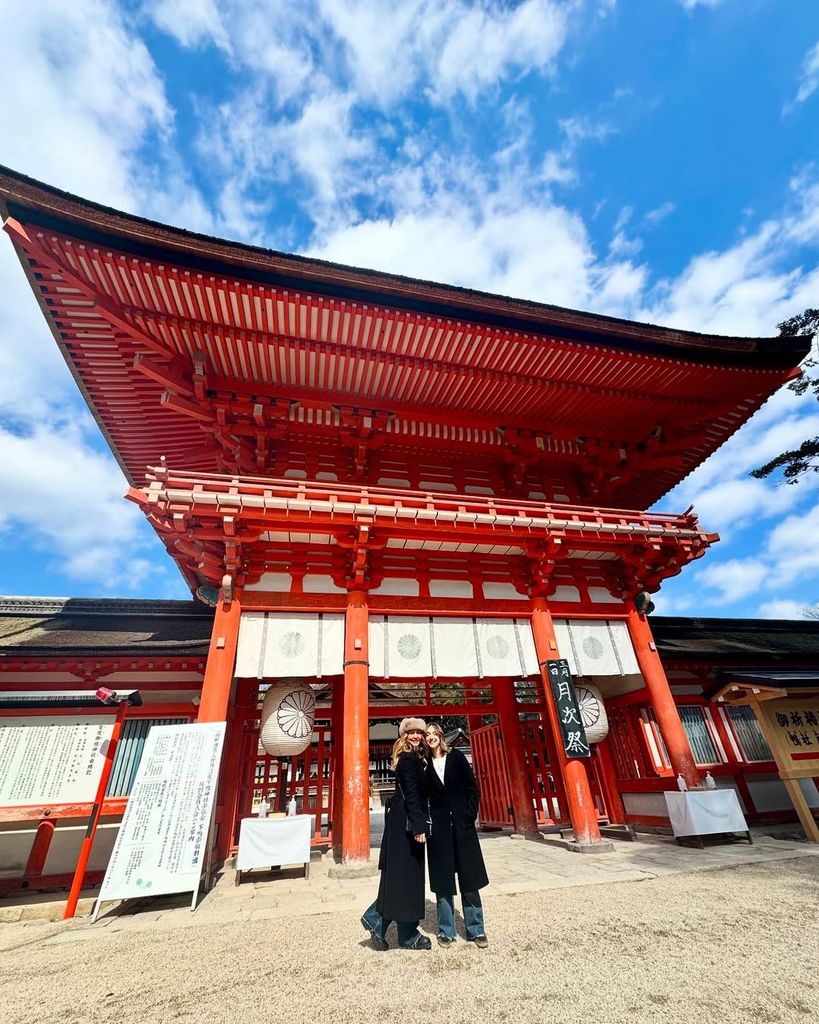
791	727
575	743
795	725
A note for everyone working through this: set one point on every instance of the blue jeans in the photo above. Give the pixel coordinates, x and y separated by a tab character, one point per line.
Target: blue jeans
378	925
473	915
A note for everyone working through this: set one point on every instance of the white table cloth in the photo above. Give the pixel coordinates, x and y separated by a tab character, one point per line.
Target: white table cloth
704	812
269	842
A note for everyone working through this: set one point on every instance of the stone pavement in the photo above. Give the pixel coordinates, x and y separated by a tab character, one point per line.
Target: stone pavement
514	866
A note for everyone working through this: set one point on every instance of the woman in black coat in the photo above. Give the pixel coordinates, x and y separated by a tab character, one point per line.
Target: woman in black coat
453	848
401	888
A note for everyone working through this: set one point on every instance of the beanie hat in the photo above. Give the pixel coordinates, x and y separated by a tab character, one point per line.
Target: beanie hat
411	723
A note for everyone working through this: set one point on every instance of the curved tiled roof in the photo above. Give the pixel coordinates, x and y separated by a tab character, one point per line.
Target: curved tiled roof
89	627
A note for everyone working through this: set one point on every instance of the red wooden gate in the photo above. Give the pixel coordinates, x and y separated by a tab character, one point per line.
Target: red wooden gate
308	780
489	764
551	807
546	782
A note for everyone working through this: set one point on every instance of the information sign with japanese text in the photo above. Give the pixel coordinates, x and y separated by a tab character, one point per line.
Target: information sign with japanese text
52	759
575	743
795	726
161	843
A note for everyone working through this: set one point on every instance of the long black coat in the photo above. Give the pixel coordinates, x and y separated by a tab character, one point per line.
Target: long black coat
453	847
401	889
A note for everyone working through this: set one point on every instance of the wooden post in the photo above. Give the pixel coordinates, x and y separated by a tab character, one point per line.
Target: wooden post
582	810
218	681
39	849
520	787
96	814
355	800
662	700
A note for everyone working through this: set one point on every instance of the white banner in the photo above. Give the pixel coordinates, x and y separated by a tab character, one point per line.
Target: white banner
161	843
273	645
406	646
596	647
52	759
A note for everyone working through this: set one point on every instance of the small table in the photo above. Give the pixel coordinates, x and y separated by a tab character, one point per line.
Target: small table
272	842
705	812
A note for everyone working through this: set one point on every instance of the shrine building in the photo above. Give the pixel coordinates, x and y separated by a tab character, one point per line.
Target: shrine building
411	497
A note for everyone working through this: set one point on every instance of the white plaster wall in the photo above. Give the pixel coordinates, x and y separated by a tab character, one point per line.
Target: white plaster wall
650	804
17	838
769	794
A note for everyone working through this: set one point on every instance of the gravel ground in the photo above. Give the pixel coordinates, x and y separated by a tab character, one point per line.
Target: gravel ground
734	945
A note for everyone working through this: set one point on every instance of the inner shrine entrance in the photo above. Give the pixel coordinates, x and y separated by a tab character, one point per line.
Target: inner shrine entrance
493	724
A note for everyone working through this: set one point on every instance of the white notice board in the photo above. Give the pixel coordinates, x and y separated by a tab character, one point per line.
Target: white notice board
161	843
52	759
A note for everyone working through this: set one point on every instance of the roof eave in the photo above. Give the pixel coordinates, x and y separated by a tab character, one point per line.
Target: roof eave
112	227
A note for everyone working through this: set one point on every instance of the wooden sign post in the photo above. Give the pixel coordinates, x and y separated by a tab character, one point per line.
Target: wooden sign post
791	729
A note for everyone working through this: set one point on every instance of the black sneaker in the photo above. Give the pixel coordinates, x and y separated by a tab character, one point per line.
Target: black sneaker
445	941
378	943
419	942
481	941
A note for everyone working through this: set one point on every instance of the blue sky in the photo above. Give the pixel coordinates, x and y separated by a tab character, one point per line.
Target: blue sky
653	159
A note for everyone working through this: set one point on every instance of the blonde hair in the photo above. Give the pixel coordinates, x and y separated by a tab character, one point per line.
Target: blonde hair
403	746
444	746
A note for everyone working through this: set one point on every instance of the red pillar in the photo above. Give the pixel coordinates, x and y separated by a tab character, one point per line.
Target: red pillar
96	814
355	799
662	700
473	722
607	778
582	810
337	763
39	849
230	784
523	809
218	681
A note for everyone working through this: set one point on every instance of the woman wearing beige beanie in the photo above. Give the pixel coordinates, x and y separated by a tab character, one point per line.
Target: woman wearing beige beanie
401	887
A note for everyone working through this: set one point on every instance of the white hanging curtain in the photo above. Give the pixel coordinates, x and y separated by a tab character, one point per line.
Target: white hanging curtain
419	647
596	647
273	645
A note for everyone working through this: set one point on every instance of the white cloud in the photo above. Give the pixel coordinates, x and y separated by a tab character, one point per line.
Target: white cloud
191	22
318	151
659	213
391	46
808	78
782	608
81	98
66	498
689	5
732	580
382	49
90	88
678	604
494	240
793	547
734	503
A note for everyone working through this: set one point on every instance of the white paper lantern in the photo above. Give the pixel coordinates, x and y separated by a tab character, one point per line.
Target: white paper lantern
288	714
592	712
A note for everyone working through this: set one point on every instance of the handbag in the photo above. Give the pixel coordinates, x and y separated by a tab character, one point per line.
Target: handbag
427	823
